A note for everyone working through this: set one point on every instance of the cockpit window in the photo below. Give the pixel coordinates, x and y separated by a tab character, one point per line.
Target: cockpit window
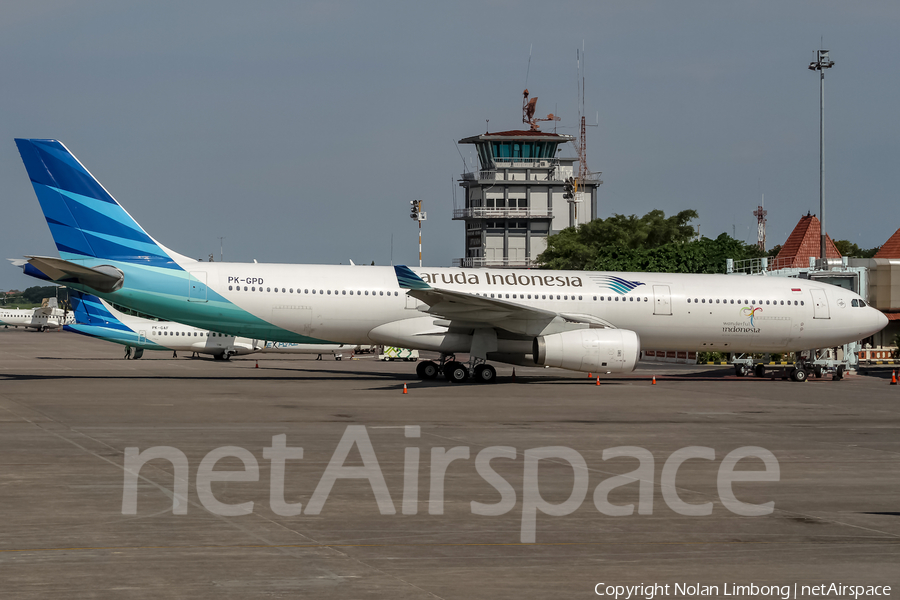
862	302
854	303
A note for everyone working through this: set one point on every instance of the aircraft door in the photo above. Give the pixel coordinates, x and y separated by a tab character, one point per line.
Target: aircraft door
142	336
197	286
820	304
662	300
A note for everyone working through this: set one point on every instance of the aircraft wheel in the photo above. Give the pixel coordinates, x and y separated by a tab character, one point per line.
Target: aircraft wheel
759	371
839	372
818	372
455	372
427	370
485	374
799	375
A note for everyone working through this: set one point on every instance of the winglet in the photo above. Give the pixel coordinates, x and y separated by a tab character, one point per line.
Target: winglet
409	280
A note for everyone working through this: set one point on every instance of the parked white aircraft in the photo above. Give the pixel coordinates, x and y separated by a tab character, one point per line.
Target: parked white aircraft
42	319
97	318
585	321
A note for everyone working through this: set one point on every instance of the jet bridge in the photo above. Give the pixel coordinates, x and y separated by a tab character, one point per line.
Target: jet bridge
839	273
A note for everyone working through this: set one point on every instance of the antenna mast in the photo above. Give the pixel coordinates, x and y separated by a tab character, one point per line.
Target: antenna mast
582	140
760	214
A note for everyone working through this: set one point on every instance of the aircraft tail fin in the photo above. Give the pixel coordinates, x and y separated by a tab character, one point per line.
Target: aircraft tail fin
90	310
84	219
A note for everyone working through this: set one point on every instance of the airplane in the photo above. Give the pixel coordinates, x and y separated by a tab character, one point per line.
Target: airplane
97	318
588	321
41	319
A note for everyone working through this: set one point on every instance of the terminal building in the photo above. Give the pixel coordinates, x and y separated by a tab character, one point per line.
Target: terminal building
522	193
876	279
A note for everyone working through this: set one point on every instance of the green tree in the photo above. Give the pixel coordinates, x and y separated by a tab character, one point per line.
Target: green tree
848	248
649	243
573	248
36	294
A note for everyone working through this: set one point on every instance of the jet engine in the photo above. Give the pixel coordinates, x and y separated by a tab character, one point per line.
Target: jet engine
589	350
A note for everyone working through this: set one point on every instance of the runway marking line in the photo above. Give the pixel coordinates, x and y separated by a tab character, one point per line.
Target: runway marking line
436	545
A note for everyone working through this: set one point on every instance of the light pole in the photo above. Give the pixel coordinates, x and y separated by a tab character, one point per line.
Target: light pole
821	63
221	253
415	212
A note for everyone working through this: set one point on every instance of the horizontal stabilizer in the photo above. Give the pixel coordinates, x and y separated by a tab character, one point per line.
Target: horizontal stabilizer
104	278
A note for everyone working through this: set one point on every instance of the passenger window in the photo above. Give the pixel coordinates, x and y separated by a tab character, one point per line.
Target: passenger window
617	298
292	290
507	295
704	301
717	300
631	298
689	300
801	303
544	297
267	289
253	289
367	292
321	291
229	288
307	291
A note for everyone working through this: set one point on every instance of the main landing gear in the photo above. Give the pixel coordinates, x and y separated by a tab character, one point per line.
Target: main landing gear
457	372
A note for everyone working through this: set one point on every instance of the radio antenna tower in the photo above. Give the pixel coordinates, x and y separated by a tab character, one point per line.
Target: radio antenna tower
583	172
760	214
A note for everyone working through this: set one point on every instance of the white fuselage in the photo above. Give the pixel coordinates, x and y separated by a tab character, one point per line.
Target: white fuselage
731	313
35	318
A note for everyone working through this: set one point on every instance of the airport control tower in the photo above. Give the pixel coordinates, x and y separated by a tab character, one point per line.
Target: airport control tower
522	193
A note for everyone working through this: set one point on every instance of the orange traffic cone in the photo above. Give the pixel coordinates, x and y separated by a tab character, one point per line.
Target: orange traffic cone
598	381
893	377
654	380
404	389
590	376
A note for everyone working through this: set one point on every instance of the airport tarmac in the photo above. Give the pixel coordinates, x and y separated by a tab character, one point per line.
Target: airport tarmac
70	406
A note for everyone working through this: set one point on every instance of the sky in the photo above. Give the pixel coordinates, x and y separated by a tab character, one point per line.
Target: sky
300	131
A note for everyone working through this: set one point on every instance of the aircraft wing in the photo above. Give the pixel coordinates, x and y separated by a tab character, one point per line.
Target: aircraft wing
466	310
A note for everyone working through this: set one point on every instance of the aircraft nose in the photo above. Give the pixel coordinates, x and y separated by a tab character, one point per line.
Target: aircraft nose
880	320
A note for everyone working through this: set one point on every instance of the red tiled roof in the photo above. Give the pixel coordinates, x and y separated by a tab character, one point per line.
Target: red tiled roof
891	248
803	243
892	316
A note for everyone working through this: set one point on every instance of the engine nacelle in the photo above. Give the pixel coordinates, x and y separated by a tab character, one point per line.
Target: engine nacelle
589	350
